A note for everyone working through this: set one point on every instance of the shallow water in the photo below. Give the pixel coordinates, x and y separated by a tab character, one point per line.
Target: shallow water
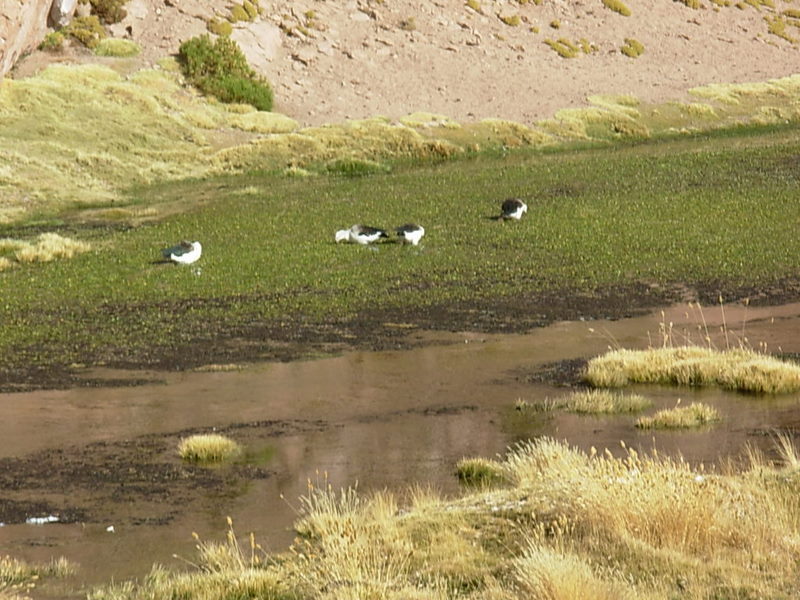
378	419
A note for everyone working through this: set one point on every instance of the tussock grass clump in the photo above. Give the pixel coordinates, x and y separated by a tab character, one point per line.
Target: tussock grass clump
566	524
208	448
47	247
737	369
696	414
20	577
618	6
632	48
479	472
596	402
564	47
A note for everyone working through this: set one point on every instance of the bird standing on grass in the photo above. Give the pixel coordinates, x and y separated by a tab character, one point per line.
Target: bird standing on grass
184	253
410	233
360	234
513	208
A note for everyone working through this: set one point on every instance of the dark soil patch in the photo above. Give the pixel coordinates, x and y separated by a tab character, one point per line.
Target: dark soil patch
138	481
297	336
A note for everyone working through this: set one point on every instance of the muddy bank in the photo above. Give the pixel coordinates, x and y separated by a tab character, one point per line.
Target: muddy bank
296	337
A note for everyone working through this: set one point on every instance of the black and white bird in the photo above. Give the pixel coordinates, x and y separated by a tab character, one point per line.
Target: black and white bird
184	253
410	233
361	234
513	208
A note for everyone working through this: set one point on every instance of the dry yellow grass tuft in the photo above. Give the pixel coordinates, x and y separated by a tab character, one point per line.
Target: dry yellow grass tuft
565	524
47	247
601	402
208	448
736	369
696	414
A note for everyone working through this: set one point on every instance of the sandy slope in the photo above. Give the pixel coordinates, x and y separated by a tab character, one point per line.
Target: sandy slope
331	60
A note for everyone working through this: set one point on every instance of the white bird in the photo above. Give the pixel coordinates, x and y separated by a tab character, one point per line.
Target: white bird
184	253
410	233
360	234
513	208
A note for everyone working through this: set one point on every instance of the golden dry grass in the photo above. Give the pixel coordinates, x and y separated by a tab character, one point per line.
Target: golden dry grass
736	369
597	402
563	524
696	414
210	447
45	248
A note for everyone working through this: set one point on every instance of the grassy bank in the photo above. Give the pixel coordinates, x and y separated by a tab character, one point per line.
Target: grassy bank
555	523
716	210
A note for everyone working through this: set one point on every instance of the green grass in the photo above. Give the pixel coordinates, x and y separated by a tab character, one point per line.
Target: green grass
718	207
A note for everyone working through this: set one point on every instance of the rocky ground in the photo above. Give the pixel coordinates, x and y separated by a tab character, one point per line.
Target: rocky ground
329	61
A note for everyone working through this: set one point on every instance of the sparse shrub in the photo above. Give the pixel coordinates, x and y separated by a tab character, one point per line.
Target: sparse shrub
474	5
511	20
109	11
408	24
219	27
777	26
87	30
52	42
116	47
618	6
632	48
210	447
219	68
479	472
563	47
695	4
555	24
696	414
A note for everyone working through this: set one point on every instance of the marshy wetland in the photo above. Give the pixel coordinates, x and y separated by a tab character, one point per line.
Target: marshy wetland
388	365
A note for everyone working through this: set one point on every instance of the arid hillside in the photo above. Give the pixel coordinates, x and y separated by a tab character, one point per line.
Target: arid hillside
329	61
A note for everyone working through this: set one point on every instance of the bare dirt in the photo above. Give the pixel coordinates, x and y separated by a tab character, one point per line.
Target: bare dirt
330	61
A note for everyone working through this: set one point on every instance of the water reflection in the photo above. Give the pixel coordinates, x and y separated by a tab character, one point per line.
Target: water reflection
383	420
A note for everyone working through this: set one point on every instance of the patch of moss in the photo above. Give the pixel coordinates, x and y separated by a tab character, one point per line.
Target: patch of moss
251	9
117	47
219	27
632	48
238	13
618	6
474	5
510	20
